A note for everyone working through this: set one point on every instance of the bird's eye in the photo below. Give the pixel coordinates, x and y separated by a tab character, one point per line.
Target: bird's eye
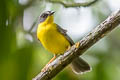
45	15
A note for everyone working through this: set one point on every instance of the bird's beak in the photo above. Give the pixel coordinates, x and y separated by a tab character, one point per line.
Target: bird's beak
52	12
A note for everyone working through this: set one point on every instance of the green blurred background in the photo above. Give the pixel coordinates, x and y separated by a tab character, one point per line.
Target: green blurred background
22	56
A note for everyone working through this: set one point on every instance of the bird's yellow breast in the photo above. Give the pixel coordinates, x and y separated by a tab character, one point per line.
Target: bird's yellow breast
52	39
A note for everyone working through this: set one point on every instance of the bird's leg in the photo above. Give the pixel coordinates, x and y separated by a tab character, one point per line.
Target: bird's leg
45	68
52	59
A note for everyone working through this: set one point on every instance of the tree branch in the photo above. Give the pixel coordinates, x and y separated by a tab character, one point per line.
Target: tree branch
95	35
84	4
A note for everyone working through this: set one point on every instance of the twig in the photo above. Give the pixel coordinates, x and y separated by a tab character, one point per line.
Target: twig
84	4
95	35
33	25
30	2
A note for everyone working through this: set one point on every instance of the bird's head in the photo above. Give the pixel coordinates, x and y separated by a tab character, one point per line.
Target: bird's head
46	17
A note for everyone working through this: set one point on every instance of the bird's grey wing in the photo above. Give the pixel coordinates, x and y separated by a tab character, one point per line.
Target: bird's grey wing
64	32
78	65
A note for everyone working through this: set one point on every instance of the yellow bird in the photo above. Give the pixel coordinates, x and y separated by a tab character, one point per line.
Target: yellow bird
56	40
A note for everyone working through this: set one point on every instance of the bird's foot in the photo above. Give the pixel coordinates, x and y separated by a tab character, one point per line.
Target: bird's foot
68	48
46	67
77	44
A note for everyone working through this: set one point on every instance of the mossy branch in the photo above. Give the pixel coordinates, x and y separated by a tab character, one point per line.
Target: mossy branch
95	35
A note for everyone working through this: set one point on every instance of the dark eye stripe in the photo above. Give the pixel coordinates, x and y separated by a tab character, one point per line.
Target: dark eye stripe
44	15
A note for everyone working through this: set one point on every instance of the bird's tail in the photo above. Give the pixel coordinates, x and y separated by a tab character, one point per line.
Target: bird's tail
80	66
